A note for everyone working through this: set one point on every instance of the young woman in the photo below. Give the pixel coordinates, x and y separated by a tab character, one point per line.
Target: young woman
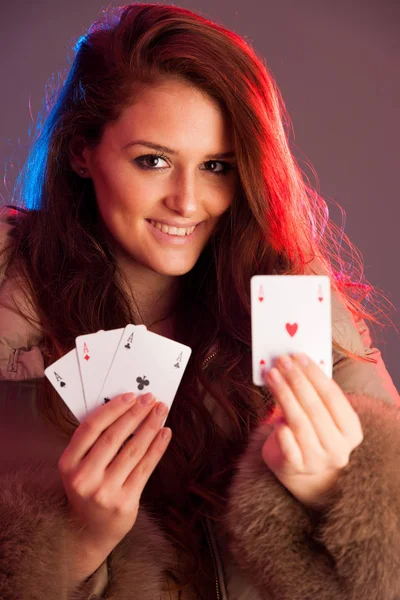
161	181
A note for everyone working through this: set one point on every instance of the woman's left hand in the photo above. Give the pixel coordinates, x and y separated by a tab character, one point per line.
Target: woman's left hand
315	433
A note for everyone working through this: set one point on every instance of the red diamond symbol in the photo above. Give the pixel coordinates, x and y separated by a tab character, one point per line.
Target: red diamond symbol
262	362
86	357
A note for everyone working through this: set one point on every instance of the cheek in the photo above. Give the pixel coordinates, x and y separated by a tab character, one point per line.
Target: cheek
224	200
118	191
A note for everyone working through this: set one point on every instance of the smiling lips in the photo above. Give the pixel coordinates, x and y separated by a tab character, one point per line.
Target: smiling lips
170	230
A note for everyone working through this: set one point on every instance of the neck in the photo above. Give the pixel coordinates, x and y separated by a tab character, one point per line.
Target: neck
154	296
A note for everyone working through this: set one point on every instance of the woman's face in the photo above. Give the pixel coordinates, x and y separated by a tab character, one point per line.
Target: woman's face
161	210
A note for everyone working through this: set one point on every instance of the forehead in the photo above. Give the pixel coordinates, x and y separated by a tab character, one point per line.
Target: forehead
173	113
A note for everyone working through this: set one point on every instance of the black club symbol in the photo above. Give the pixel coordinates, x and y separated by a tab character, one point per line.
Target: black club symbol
142	381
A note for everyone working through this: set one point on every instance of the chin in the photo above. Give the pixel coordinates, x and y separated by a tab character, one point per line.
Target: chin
173	269
177	272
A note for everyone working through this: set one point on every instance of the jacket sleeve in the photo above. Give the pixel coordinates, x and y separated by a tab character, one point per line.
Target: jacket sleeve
352	374
34	542
350	548
34	539
34	523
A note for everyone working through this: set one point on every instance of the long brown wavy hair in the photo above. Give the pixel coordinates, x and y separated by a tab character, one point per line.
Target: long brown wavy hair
278	223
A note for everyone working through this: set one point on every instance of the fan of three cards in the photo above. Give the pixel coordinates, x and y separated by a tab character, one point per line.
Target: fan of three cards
289	313
108	363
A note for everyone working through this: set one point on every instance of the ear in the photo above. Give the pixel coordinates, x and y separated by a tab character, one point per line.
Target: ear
78	156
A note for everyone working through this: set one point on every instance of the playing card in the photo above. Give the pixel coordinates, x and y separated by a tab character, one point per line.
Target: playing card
95	353
290	313
65	377
146	362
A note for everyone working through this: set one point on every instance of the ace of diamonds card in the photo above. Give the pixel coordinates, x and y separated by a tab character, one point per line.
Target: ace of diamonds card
290	313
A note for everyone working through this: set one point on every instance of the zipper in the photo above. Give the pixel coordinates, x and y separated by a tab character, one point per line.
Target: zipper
217	588
207	360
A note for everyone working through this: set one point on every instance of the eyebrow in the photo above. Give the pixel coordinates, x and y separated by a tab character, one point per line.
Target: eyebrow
165	149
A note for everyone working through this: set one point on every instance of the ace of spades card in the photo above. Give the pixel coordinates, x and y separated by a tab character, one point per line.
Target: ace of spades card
65	377
290	313
146	362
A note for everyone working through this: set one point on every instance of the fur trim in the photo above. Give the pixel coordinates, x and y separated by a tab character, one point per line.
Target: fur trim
348	550
34	540
137	564
31	511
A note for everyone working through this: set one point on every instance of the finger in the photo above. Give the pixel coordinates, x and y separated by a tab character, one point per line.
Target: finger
294	415
329	436
338	406
92	427
109	443
133	451
288	445
140	475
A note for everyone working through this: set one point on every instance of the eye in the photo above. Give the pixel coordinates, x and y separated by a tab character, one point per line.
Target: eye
144	160
141	161
226	167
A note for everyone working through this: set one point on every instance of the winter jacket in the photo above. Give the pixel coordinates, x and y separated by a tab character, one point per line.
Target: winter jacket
268	546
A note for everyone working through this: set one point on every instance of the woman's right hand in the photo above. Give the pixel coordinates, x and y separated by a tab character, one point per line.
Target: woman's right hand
103	481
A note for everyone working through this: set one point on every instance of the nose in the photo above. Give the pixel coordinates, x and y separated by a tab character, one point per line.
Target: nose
182	196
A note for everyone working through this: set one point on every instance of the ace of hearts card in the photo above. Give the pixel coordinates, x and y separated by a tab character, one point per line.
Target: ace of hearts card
290	313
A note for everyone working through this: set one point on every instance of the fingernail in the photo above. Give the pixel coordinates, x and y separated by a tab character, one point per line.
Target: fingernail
128	398
161	409
166	434
302	359
146	399
285	362
273	375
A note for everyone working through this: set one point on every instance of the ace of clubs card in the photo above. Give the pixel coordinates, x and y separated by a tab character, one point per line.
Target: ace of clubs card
146	362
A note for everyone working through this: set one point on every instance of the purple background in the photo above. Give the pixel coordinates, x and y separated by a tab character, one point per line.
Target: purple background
337	63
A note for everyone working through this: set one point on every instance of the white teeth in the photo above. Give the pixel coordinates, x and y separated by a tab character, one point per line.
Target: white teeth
173	230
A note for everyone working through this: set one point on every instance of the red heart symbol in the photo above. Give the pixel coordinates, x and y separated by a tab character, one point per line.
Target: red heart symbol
261	299
291	328
262	362
320	299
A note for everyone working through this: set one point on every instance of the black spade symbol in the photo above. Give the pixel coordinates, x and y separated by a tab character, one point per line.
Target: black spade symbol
106	400
63	384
